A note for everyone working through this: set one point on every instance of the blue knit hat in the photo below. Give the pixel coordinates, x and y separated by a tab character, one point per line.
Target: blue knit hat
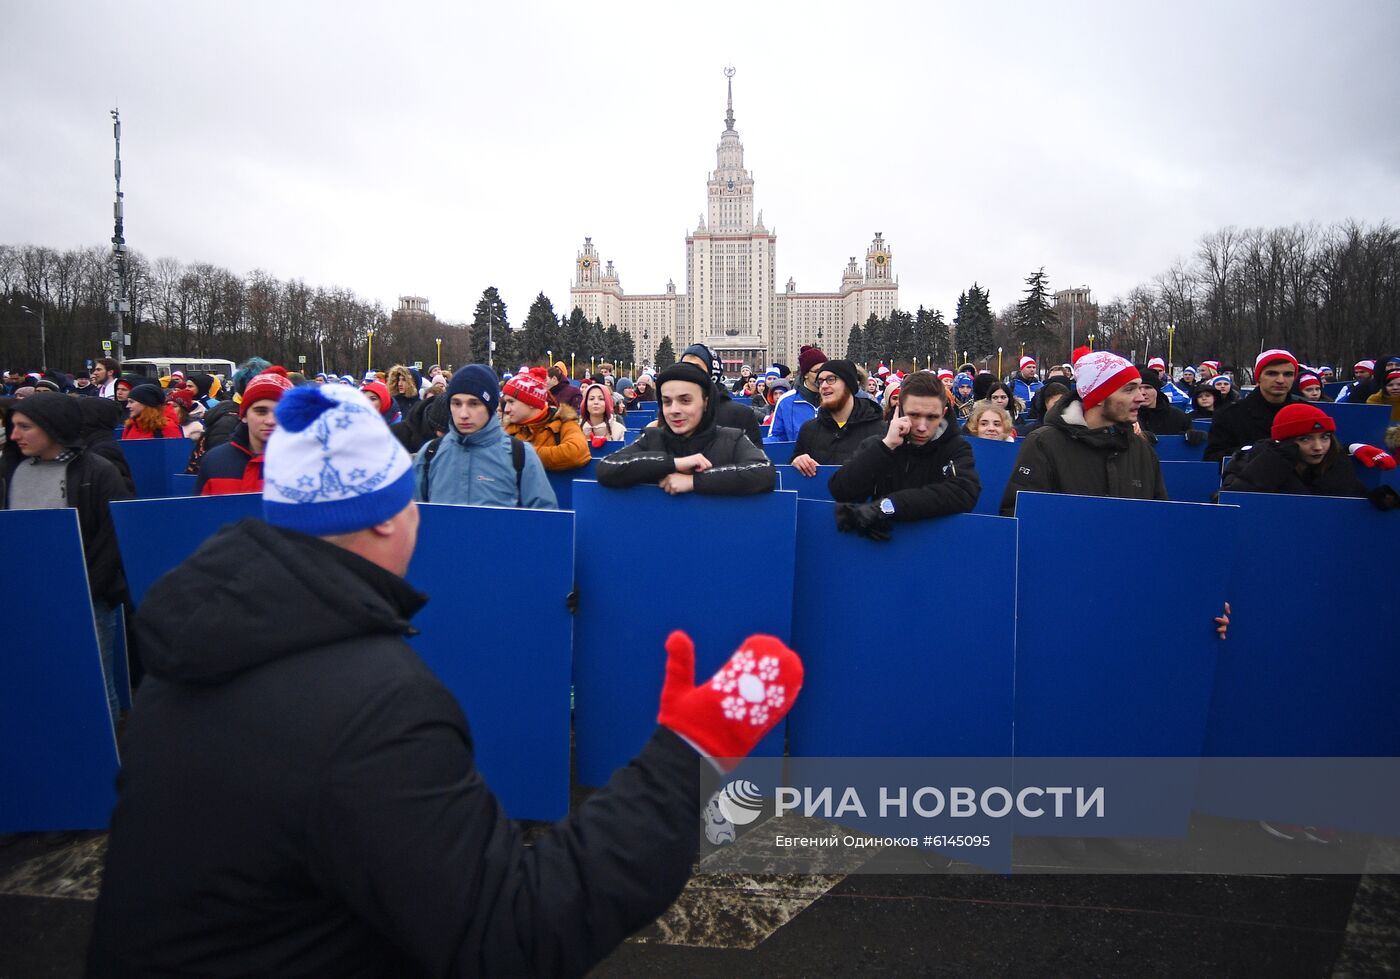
479	381
332	466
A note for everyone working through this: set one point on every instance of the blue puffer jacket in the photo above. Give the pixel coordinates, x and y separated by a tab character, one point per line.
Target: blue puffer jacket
477	469
789	415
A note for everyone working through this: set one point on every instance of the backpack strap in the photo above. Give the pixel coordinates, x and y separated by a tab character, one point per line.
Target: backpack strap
517	458
433	446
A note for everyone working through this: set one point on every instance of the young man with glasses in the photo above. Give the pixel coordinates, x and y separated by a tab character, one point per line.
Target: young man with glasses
843	420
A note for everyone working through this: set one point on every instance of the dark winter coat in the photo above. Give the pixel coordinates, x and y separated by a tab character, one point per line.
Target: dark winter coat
219	423
300	797
1265	468
935	479
1066	456
821	439
1164	419
90	484
740	468
730	414
101	416
1242	423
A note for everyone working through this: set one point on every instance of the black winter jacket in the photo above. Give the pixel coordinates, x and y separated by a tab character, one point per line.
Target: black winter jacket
1264	468
731	414
300	797
831	446
739	467
219	423
1066	456
91	483
1241	423
930	480
1165	419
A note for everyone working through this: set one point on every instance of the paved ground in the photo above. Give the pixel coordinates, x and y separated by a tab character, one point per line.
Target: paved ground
959	923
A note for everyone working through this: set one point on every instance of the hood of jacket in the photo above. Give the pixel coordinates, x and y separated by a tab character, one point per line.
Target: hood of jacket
1068	416
267	593
554	418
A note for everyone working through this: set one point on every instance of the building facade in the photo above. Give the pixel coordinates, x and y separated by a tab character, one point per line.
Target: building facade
731	301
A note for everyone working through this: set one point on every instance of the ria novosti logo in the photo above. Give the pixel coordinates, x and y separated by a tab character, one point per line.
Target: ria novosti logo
737	804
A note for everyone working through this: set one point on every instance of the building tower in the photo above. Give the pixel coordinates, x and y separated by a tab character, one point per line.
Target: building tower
730	259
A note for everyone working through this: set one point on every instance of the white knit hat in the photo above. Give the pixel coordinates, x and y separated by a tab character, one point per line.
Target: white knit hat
332	466
1099	374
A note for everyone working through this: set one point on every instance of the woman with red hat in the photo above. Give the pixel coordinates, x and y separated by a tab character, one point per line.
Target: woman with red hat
1303	457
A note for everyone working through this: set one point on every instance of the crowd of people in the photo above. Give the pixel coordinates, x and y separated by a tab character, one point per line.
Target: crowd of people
375	815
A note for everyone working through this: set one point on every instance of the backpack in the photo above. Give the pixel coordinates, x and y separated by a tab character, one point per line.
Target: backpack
517	458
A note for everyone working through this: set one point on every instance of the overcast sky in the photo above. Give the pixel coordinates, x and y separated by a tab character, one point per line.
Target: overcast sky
438	149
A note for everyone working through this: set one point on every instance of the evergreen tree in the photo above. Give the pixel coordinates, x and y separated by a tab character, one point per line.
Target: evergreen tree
541	330
573	336
1036	322
974	324
923	335
626	349
877	341
612	350
597	342
900	330
490	321
855	345
942	343
665	354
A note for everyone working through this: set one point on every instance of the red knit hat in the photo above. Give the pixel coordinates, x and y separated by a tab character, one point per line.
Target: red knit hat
1297	419
1079	353
1273	356
1099	374
265	387
1369	366
1308	381
809	358
1026	362
381	391
1157	364
527	388
541	374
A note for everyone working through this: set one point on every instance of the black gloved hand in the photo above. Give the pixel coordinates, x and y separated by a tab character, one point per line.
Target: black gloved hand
1384	498
1194	436
866	519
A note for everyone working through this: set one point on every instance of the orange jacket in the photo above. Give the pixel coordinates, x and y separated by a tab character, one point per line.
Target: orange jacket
557	438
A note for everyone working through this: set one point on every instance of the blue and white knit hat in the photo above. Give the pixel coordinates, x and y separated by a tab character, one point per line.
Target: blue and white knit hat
332	466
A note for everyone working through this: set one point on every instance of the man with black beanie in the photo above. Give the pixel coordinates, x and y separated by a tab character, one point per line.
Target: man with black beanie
843	421
728	412
45	465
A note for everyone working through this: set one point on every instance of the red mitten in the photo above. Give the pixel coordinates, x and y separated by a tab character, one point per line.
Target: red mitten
1371	457
724	718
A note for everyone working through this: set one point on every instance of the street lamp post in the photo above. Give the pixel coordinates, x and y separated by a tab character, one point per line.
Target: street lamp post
1171	332
369	357
1091	343
998	363
43	344
438	341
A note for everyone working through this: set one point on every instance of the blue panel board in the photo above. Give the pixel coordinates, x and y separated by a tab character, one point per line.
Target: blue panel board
620	634
506	661
1202	423
153	462
1173	448
562	482
1115	658
900	691
1191	482
182	484
1311	666
1359	423
59	763
639	418
156	535
995	461
779	453
608	448
1334	388
807	487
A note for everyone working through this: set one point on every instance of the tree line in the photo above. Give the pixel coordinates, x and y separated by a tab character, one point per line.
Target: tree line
1331	295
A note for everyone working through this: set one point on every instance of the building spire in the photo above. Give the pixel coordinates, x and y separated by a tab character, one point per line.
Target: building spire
729	115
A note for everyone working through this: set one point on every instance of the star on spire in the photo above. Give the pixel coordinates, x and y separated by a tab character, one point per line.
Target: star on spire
729	115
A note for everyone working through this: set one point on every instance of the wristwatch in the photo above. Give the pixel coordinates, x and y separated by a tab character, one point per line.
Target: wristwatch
887	507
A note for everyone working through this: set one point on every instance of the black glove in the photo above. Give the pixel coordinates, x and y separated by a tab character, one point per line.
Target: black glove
1194	436
866	519
1384	498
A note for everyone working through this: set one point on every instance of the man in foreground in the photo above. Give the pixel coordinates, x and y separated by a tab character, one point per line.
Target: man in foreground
303	799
